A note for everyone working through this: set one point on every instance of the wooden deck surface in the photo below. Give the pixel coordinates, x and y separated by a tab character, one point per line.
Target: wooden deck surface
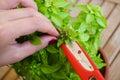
110	38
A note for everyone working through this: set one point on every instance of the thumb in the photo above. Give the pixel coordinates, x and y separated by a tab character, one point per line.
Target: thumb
27	48
20	51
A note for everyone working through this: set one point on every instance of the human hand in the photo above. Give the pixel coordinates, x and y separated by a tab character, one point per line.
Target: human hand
18	22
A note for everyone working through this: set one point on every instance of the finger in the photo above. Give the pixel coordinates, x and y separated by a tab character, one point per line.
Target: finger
15	29
19	52
9	4
29	3
14	14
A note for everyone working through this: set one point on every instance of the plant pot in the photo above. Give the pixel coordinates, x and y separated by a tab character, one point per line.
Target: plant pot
104	70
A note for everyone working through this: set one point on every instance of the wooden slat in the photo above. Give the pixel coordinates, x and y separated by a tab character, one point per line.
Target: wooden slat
96	2
3	71
113	21
11	75
75	12
83	1
115	1
19	78
113	46
114	69
107	7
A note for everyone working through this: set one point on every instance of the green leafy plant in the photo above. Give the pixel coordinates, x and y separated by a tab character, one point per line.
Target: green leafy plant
50	63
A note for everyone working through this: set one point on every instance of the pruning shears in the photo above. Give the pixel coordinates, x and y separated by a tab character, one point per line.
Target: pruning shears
81	62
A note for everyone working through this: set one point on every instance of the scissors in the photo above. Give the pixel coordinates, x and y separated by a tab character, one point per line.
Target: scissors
81	62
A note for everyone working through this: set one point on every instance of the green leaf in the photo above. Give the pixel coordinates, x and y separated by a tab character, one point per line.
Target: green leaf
44	57
55	10
67	41
84	37
62	57
83	27
63	15
90	8
67	67
73	1
74	35
97	43
50	69
89	18
101	65
82	8
61	3
59	42
43	10
94	28
47	15
97	11
99	62
52	49
35	40
59	75
101	21
47	69
47	3
74	76
57	20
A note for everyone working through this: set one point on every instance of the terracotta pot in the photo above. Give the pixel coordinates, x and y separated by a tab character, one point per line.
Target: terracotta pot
104	70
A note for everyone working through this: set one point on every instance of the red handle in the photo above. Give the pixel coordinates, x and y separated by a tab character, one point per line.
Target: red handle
80	70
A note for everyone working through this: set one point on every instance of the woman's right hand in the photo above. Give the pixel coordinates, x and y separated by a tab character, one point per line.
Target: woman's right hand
18	22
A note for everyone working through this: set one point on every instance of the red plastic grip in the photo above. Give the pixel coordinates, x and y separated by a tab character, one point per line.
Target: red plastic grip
79	69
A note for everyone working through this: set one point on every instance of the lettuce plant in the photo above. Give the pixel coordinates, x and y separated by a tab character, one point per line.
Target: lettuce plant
50	63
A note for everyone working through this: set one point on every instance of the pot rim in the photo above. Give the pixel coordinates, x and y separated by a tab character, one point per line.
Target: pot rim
106	61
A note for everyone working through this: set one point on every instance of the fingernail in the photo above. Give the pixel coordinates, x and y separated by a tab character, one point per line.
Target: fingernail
52	41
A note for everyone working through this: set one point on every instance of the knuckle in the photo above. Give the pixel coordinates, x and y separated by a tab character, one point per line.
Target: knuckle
36	21
17	57
30	11
2	32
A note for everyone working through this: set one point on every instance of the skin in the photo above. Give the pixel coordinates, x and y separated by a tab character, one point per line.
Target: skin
18	22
